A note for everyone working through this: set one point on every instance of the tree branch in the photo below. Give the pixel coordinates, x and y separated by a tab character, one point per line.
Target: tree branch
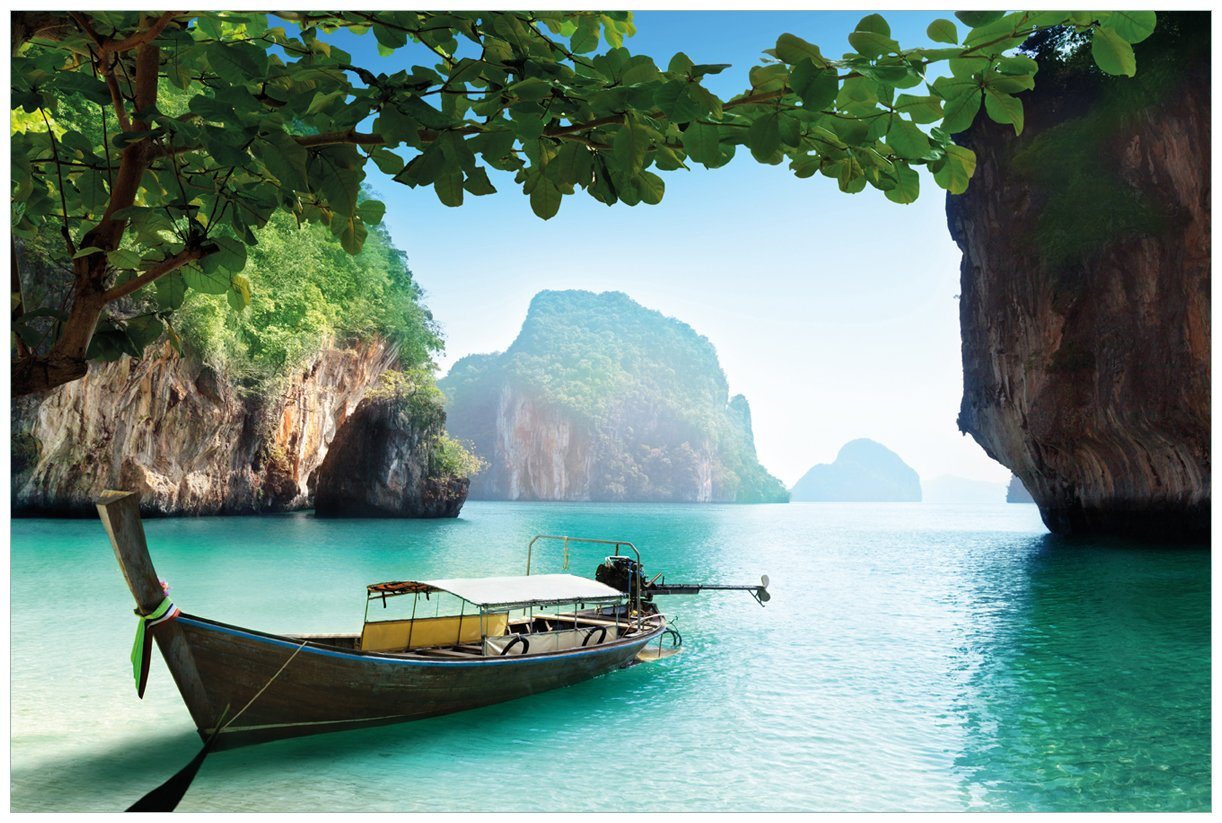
116	97
142	37
330	138
59	172
163	268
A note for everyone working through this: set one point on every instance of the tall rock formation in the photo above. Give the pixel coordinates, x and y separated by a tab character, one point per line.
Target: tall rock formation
601	399
384	462
864	472
1085	305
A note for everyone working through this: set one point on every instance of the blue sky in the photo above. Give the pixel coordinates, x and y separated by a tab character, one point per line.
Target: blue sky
836	315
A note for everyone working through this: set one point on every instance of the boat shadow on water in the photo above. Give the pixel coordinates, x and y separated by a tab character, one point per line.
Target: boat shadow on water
72	778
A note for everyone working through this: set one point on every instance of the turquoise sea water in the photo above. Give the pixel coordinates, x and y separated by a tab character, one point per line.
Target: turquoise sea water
913	657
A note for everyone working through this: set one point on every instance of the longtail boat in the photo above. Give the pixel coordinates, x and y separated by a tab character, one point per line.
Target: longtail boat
492	639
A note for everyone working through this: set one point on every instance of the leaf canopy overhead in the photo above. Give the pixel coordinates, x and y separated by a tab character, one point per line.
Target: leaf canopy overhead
211	122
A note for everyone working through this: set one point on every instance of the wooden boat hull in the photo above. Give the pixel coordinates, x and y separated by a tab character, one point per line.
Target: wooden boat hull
325	689
261	686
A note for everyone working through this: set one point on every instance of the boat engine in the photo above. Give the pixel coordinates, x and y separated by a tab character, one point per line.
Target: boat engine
621	572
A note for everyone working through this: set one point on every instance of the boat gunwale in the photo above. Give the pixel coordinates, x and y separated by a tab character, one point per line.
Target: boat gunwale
316	647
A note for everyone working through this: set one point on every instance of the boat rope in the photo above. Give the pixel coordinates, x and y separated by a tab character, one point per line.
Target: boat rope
250	702
141	648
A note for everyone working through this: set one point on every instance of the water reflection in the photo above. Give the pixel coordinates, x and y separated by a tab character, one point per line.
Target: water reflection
1089	665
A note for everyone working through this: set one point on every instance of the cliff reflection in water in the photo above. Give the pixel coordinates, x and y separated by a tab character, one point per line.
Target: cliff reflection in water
1087	667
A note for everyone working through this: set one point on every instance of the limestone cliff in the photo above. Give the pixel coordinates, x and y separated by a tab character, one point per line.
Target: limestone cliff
183	437
600	398
1085	305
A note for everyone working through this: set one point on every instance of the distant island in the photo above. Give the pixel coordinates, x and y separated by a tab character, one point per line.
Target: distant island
864	472
1017	492
602	399
949	488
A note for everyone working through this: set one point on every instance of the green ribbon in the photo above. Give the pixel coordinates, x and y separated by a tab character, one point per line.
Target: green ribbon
138	646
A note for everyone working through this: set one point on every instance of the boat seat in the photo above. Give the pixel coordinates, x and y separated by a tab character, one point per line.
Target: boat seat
553	641
584	621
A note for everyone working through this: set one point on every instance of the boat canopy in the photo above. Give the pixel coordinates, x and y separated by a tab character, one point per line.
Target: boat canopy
534	589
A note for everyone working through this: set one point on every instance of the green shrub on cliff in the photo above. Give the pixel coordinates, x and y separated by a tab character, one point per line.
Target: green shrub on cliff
418	389
1090	202
304	291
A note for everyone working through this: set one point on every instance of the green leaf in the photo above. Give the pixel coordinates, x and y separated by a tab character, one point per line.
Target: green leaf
1002	108
75	82
371	211
237	63
674	100
477	182
572	165
171	290
351	232
449	188
764	137
531	90
585	39
907	186
285	158
629	147
123	259
703	144
924	109
961	110
792	49
651	188
230	254
1132	26
145	330
545	199
943	31
817	87
85	252
1112	54
239	292
956	170
790	129
875	23
387	161
908	141
871	44
214	282
976	19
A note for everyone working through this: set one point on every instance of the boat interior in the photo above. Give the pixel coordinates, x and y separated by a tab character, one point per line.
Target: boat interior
487	635
502	616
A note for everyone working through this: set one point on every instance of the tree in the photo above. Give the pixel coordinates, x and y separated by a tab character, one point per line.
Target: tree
279	119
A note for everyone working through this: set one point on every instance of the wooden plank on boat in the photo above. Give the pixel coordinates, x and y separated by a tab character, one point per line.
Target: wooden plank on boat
120	513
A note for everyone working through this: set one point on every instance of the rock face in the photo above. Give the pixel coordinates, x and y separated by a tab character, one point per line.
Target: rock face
602	399
864	472
182	437
1017	493
381	464
1085	305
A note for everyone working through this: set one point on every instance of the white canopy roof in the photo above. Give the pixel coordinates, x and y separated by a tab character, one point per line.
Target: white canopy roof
536	589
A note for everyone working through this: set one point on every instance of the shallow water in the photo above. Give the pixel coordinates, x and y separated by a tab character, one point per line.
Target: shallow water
913	657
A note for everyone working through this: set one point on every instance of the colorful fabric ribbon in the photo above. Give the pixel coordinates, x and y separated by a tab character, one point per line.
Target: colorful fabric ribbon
164	612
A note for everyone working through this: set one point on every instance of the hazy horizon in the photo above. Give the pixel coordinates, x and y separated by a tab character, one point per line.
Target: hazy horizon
835	315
